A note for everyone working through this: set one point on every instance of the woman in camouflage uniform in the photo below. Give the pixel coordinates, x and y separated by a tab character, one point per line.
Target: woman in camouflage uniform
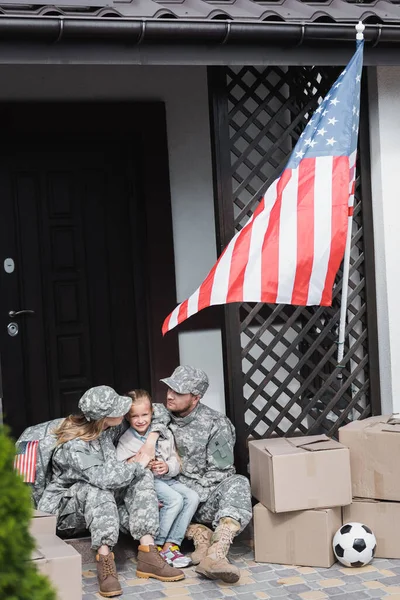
91	489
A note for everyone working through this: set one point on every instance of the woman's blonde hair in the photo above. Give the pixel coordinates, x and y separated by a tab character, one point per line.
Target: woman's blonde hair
76	426
138	396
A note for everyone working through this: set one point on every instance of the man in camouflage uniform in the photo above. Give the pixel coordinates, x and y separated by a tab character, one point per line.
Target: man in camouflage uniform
205	440
90	489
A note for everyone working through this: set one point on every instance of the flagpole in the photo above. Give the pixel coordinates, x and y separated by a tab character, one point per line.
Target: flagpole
346	261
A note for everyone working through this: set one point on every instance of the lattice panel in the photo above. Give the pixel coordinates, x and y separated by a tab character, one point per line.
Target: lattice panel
291	382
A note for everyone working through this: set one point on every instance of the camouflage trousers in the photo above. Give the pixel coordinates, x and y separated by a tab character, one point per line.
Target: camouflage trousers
133	509
231	498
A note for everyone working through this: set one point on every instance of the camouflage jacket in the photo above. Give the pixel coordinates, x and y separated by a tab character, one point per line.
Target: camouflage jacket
205	440
43	432
93	462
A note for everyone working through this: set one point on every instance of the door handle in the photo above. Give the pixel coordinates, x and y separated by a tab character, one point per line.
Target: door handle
16	313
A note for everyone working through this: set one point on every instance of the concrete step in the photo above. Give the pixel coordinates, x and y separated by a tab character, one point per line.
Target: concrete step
124	550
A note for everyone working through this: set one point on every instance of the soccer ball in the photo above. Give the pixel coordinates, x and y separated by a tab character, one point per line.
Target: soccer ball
354	545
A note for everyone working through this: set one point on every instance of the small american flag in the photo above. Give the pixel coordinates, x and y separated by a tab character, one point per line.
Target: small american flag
290	250
25	460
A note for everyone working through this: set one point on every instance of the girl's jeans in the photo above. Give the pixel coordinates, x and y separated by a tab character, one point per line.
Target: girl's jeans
179	503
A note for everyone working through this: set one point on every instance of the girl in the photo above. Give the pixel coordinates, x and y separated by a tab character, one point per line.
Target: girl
91	490
179	503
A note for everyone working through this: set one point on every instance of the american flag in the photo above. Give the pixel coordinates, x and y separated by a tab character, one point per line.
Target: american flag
290	250
25	460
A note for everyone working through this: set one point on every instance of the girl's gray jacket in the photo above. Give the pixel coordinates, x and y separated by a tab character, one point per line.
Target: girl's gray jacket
129	444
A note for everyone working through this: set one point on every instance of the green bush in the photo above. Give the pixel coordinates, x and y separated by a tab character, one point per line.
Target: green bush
19	579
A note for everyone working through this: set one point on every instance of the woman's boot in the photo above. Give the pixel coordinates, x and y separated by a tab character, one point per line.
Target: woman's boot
107	576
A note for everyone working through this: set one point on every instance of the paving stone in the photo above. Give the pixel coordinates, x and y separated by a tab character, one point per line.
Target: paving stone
377	593
300	587
333	591
352	596
355	586
288	573
152	595
261	569
368	576
392	580
290	580
214	594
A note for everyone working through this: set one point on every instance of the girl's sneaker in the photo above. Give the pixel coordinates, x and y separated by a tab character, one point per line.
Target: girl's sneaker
174	557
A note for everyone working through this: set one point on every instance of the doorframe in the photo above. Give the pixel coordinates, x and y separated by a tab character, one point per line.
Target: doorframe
127	122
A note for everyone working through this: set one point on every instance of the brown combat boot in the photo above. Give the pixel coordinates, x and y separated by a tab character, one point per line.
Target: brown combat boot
107	576
216	565
201	536
151	564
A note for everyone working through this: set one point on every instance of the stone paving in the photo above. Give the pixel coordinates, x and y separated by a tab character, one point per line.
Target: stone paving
261	581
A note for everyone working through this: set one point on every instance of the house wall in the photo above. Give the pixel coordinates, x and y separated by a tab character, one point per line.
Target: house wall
384	115
184	91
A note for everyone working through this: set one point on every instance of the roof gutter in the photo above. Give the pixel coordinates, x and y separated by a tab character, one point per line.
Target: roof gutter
55	29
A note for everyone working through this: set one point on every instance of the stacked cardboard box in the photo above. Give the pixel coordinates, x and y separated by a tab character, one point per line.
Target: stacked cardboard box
301	484
374	446
56	559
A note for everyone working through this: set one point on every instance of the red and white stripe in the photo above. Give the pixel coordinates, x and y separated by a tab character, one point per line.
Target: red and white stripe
25	463
290	250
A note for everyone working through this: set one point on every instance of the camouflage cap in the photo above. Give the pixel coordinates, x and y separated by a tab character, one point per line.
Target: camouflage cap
103	401
188	380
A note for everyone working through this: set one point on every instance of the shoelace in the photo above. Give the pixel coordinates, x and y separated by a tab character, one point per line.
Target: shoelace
108	566
200	537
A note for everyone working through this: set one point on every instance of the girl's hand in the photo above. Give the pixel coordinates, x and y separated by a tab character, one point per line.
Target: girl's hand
148	450
159	467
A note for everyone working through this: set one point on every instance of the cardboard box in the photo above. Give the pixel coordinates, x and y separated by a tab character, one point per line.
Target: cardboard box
61	563
43	523
383	518
300	473
374	445
301	538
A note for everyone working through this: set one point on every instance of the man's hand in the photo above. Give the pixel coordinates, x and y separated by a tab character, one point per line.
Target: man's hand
159	467
148	450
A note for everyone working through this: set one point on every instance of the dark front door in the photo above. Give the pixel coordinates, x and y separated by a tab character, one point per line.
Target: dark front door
71	240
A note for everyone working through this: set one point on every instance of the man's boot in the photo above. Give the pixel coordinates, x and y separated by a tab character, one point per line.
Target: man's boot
107	576
201	536
151	564
216	565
